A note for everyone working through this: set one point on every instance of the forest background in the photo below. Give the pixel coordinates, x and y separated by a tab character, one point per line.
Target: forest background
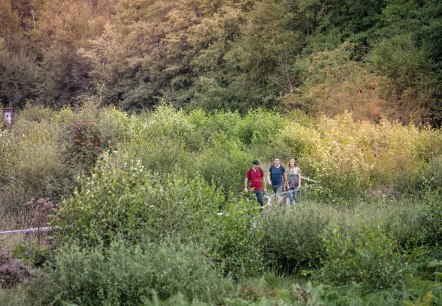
377	58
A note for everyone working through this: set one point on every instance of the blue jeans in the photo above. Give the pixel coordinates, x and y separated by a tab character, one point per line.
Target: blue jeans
259	196
277	189
293	191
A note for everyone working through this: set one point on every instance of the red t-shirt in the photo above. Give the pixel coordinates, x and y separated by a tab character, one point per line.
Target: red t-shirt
255	178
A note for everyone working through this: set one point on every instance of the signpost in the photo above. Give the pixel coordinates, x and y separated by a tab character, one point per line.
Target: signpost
8	116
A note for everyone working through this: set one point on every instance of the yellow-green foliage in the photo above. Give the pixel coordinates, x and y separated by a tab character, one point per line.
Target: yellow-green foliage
350	157
347	157
32	162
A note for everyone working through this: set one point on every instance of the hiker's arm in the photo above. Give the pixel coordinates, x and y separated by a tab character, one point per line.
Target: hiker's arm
286	180
268	177
245	184
264	187
299	184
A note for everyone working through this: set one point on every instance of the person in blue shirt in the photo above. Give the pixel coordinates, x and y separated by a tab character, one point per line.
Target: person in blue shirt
277	177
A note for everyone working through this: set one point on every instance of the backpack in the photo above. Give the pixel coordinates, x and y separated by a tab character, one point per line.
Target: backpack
250	173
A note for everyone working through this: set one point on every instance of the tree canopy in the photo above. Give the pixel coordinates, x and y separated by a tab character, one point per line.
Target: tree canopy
376	58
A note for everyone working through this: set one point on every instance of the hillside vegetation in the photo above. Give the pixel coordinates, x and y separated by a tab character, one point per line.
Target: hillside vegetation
376	59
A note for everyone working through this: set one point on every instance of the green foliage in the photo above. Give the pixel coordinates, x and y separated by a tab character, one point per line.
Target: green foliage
293	237
123	274
238	240
224	163
32	165
259	127
432	177
226	55
18	75
411	82
14	297
122	198
262	61
125	199
33	255
431	219
368	258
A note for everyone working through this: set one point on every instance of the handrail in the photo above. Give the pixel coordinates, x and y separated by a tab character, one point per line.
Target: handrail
304	188
309	179
28	231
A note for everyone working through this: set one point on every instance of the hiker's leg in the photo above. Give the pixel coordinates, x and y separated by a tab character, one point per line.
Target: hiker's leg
278	190
291	196
259	197
295	193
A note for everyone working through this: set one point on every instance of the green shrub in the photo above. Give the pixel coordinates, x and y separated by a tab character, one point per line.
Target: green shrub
165	121
259	127
398	217
293	237
295	140
224	162
113	125
208	125
161	155
368	257
121	197
14	297
123	274
237	240
36	112
33	164
431	219
431	178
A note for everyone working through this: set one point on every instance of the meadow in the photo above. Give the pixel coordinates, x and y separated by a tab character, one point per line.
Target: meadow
150	209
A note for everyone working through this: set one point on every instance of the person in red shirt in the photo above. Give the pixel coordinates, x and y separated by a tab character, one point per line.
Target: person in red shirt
255	177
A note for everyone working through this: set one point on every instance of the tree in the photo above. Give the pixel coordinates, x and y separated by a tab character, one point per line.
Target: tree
334	83
158	50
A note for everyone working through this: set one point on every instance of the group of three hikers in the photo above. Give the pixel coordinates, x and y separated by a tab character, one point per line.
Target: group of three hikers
277	177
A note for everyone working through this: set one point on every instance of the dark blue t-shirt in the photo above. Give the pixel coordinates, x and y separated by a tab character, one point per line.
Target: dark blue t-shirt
276	175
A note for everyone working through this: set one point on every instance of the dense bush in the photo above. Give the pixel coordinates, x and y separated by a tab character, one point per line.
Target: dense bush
124	274
122	197
84	144
224	163
259	127
368	257
14	297
237	242
32	165
430	218
161	155
293	237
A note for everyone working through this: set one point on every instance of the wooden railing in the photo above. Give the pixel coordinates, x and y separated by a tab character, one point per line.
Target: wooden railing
27	234
303	193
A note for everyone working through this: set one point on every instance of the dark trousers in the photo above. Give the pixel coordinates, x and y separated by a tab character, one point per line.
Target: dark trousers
259	196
